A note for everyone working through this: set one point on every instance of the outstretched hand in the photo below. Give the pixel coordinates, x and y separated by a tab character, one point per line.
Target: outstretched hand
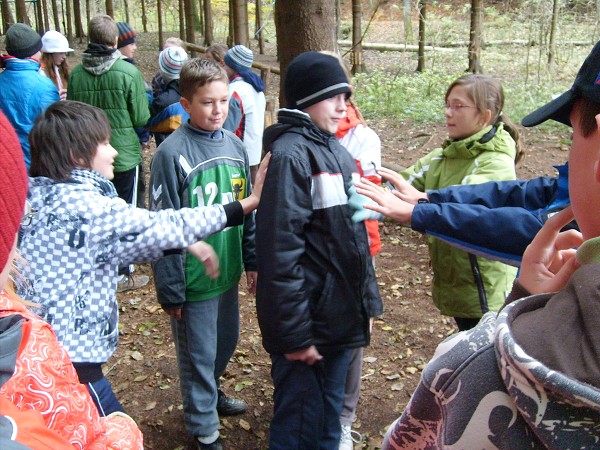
386	202
549	261
250	203
404	190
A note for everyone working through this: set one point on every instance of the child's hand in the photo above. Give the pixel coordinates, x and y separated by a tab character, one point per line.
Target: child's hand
359	203
62	94
250	203
549	261
207	256
251	278
386	202
308	355
405	190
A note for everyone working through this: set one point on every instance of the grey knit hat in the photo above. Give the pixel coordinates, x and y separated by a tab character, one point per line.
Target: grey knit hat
22	41
170	62
239	58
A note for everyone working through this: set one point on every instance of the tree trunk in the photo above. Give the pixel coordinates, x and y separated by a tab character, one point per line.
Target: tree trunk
160	24
259	28
7	16
406	13
55	15
67	10
144	17
208	23
77	16
300	27
190	34
240	23
475	36
45	14
422	22
126	7
553	31
356	57
181	20
110	10
21	10
37	14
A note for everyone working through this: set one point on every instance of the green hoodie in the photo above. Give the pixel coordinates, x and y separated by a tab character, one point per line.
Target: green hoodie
466	161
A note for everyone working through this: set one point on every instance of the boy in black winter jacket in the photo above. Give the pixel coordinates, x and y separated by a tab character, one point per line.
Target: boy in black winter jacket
316	284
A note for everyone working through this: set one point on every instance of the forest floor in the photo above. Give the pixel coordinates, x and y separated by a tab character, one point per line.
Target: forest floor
144	369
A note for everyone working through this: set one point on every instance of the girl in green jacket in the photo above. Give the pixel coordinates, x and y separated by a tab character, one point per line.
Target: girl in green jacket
482	145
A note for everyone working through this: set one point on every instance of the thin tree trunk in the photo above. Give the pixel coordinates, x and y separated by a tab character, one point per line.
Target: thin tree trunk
67	10
159	19
422	22
208	23
55	15
110	10
126	7
144	17
7	16
553	31
190	35
356	57
39	21
240	23
181	19
231	31
77	16
259	28
475	36
21	10
406	13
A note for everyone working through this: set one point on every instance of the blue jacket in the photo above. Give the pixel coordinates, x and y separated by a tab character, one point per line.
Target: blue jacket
506	214
24	95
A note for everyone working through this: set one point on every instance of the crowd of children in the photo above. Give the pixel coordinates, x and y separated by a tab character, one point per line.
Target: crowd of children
308	251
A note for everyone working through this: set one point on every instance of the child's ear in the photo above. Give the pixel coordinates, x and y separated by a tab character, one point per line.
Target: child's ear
487	116
185	103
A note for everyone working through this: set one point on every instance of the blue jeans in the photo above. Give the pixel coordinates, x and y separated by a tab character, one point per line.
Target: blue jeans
104	397
205	339
308	401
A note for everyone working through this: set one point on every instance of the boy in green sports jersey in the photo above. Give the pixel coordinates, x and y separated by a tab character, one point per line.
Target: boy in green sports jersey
202	164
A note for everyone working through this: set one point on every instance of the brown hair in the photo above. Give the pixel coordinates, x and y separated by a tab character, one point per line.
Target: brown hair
217	52
196	72
589	109
487	93
66	136
102	29
63	69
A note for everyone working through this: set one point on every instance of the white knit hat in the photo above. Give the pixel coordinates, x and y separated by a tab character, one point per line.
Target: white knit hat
239	58
54	42
170	62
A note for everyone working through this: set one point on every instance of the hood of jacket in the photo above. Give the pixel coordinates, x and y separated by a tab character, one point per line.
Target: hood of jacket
556	398
480	142
17	64
98	59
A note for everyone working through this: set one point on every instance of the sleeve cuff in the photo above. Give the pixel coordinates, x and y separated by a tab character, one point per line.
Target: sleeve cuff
234	213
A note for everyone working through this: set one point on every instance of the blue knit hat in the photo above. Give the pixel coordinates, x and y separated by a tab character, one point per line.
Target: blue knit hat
239	58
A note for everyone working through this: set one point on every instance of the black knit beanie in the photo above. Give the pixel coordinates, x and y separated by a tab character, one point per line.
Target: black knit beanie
22	41
312	77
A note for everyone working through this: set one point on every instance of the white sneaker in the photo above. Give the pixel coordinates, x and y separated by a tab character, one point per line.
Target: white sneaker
131	282
349	437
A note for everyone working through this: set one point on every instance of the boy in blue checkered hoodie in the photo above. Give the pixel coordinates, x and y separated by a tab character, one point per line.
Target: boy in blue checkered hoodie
78	232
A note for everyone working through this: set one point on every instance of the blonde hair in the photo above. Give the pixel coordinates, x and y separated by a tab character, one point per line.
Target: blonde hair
197	72
102	29
487	94
217	52
174	42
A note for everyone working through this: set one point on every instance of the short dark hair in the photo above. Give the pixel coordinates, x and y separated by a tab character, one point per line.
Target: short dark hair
589	109
102	29
196	72
65	137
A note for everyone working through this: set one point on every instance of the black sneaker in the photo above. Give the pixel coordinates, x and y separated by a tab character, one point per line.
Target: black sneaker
227	406
216	445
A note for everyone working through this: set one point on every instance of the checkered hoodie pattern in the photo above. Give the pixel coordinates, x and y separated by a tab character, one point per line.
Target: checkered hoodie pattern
77	236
